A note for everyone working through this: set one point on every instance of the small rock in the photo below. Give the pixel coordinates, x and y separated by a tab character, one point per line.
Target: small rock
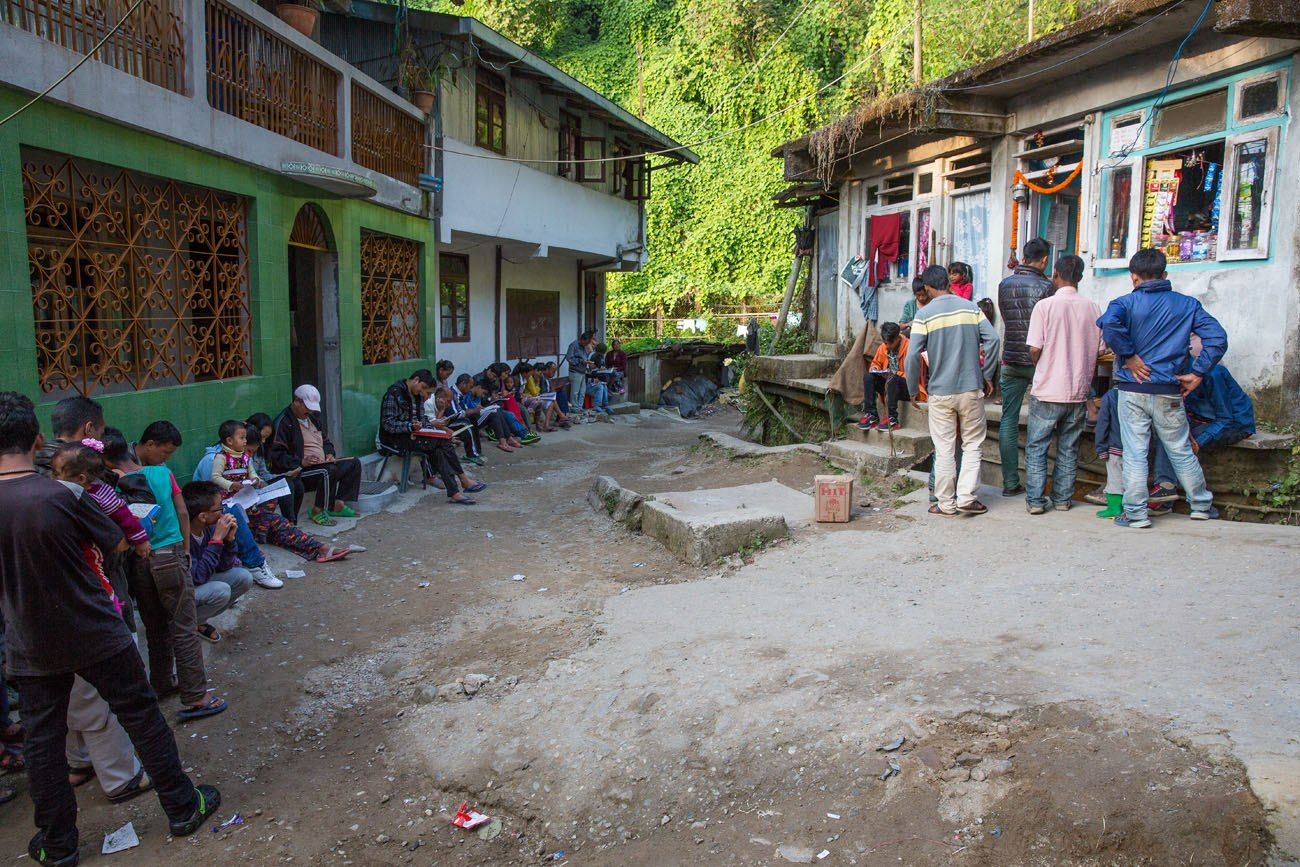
385	799
806	677
795	854
956	775
979	775
665	820
1000	768
969	759
426	694
382	839
472	683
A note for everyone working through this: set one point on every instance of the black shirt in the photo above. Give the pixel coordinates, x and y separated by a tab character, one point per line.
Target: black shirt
58	616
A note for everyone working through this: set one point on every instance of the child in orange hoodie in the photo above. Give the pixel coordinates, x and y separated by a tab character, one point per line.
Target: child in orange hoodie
886	379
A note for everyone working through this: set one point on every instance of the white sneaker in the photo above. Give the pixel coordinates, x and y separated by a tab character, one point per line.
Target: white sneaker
357	549
264	577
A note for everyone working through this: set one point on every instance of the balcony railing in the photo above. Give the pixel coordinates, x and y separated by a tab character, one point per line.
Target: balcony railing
257	76
385	138
149	45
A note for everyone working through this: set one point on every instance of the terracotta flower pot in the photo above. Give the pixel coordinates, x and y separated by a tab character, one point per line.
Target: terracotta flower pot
300	18
423	100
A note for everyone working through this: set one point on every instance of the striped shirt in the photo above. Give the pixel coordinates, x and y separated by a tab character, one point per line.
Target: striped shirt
951	331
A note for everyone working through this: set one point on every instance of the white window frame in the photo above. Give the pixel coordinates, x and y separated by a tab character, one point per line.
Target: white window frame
1228	213
1137	167
1239	94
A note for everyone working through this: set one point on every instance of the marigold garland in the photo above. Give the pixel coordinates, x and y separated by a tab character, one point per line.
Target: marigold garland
1048	191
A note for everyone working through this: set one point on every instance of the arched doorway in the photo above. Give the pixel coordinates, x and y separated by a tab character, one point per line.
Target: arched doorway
314	311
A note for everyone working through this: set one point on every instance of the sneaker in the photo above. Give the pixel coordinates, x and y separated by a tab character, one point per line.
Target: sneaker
490	434
1155	510
1097	496
1062	507
476	461
529	438
1210	514
209	801
264	577
1036	509
1162	493
1125	521
894	424
867	422
883	424
1013	492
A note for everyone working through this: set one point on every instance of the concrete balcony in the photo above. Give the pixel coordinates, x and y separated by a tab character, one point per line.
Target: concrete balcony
228	77
485	197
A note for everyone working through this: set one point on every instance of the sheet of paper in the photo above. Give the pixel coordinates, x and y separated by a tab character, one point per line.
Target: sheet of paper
245	497
120	840
143	511
274	492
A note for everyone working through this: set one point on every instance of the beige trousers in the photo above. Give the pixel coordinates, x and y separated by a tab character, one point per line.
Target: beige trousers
952	415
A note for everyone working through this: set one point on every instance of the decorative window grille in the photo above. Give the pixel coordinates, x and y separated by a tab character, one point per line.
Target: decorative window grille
137	281
390	298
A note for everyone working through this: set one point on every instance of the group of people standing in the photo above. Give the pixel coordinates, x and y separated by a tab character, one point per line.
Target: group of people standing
1169	394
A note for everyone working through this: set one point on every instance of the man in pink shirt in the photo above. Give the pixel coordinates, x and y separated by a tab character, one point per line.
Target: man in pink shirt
1064	342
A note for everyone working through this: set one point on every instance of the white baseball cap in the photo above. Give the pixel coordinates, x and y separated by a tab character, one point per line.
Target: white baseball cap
309	395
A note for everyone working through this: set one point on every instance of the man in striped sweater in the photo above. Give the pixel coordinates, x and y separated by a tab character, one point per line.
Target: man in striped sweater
952	331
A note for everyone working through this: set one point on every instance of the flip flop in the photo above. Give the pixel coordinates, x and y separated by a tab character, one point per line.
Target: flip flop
213	706
329	555
463	501
84	775
138	785
935	510
476	487
208	632
323	520
12	761
975	508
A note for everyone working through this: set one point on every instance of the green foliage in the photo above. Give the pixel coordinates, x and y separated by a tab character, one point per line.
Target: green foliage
1284	491
688	67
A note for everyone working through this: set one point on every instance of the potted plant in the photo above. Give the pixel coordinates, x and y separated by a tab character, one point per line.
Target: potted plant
301	15
420	80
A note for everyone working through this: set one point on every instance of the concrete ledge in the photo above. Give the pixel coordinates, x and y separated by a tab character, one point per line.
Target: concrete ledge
702	539
621	504
625	407
877	459
745	449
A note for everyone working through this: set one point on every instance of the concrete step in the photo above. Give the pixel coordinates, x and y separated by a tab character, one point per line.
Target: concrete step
874	458
625	407
784	368
904	441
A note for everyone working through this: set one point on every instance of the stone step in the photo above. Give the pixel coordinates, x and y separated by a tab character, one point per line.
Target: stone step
858	457
625	407
905	441
784	368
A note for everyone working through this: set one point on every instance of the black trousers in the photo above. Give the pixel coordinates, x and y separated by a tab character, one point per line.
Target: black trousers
471	440
889	386
340	480
498	426
43	701
441	456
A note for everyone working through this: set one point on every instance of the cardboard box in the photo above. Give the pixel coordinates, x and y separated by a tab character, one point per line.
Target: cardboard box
834	498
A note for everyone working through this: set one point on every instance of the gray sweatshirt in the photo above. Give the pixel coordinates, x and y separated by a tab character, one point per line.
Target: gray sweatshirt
951	331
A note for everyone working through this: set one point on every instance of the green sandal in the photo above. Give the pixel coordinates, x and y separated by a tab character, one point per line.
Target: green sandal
345	512
323	519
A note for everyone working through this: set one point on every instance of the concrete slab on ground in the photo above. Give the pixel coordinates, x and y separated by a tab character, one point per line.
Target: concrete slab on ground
747	449
704	525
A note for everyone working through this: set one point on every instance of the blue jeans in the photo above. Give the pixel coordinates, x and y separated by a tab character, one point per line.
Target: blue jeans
1164	470
249	552
1064	421
599	392
1140	416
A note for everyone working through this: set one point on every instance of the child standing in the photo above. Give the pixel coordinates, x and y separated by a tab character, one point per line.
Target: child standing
1111	450
161	583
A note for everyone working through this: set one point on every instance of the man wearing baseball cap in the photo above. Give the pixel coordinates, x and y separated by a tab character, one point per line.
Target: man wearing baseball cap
300	441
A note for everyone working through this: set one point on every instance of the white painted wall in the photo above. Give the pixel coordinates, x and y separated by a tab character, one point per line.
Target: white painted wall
29	62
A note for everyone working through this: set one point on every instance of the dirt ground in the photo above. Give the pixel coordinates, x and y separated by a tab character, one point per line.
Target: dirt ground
350	739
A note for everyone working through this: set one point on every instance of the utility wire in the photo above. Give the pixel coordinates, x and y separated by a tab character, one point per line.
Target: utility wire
65	76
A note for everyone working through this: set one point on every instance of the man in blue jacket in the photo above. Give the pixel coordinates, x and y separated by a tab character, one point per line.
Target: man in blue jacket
1149	330
1219	413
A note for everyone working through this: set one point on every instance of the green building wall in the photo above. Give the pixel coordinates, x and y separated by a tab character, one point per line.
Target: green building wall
197	409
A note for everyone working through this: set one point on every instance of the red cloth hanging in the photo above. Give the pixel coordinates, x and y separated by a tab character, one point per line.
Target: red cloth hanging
884	245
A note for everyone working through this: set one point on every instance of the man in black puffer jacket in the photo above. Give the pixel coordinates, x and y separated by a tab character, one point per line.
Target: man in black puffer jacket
1017	295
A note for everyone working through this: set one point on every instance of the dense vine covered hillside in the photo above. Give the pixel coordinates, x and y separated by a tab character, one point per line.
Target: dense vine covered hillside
735	78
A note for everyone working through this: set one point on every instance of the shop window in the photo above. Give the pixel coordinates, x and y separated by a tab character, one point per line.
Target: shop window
490	111
453	298
1197	115
1251	159
390	298
1197	200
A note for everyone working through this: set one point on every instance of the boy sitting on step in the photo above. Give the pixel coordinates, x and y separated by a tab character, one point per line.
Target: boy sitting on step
885	380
